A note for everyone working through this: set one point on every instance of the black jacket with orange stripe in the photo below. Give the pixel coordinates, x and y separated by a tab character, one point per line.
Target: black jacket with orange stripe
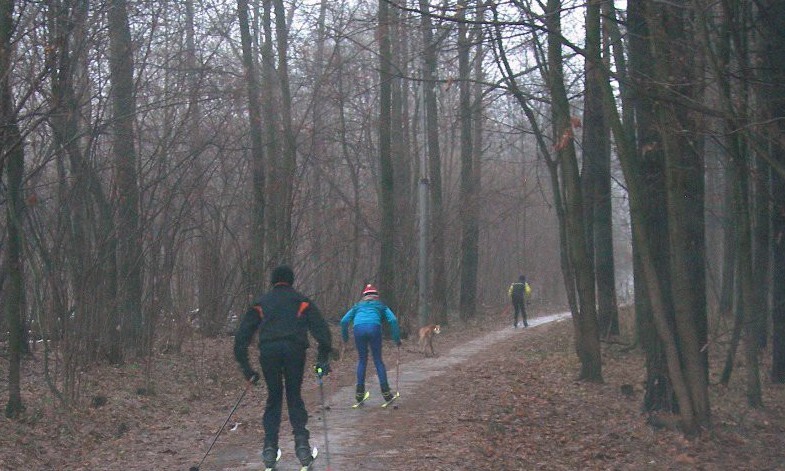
282	314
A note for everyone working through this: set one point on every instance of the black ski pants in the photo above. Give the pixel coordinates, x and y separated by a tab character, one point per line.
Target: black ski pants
519	307
283	366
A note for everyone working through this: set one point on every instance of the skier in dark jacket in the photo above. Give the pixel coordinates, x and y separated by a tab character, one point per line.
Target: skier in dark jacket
283	318
366	316
518	293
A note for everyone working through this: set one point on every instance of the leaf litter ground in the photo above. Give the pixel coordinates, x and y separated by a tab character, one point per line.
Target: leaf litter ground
512	405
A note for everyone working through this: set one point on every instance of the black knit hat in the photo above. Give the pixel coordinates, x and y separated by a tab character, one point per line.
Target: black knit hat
282	274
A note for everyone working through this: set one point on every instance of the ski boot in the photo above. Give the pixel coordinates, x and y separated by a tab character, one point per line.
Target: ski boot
361	396
386	393
304	453
389	397
270	455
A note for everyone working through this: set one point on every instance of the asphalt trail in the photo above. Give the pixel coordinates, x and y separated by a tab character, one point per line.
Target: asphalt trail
342	419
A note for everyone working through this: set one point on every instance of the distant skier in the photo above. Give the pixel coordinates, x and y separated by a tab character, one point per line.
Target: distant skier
518	292
367	317
283	318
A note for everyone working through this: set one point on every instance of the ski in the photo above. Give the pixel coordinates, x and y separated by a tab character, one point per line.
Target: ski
387	403
314	454
277	458
359	403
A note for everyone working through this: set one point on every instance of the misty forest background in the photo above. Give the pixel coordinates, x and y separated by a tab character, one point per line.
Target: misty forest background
160	157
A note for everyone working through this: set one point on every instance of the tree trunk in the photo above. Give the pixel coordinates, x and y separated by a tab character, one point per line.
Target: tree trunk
771	18
208	263
130	256
683	346
273	152
257	249
761	233
585	319
12	167
754	398
735	107
738	325
400	154
74	193
468	213
778	273
320	221
728	253
430	63
12	160
288	161
685	189
386	171
596	177
477	38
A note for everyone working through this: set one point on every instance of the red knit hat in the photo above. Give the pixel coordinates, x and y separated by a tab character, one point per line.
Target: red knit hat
370	289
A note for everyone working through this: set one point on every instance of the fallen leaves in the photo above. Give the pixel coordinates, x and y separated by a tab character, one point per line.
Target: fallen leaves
515	406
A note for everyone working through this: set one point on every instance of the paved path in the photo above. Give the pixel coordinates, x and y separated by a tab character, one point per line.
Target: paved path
342	419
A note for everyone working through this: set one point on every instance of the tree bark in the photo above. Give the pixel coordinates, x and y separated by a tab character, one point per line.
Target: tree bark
257	249
683	339
685	189
585	319
386	171
430	63
771	18
289	148
130	256
754	398
12	167
468	213
778	273
401	156
12	161
477	38
735	107
596	176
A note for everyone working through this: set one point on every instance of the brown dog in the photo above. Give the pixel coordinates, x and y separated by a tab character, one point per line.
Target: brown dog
426	338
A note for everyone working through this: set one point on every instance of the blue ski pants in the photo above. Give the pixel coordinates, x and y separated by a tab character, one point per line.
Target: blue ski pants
365	336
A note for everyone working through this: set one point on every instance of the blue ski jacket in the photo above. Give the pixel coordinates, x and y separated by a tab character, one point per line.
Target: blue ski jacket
370	310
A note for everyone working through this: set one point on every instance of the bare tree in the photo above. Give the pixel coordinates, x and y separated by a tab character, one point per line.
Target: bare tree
469	231
387	232
429	69
596	172
12	162
681	341
585	318
257	249
288	161
771	18
130	257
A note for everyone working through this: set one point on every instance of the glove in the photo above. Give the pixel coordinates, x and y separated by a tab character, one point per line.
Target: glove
251	376
322	368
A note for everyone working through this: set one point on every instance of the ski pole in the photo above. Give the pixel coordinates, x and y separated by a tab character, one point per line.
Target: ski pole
324	418
247	387
398	370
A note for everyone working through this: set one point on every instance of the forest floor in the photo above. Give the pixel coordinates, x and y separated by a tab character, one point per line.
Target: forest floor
494	397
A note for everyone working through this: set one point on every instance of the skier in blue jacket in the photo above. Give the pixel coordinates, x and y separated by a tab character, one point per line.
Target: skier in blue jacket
367	316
